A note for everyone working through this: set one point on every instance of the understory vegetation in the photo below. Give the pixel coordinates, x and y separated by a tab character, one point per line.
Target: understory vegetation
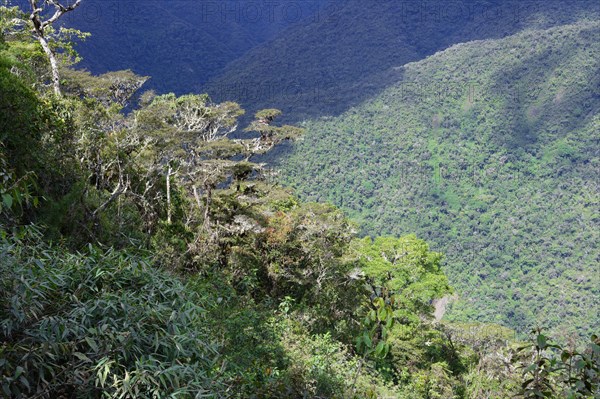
145	253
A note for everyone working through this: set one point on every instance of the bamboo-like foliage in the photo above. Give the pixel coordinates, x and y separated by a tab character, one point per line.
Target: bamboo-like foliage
97	324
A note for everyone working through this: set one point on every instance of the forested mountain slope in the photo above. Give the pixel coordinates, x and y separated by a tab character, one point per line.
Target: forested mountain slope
145	252
323	66
489	151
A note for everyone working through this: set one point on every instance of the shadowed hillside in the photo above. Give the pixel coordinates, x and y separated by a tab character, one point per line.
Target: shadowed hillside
323	66
180	43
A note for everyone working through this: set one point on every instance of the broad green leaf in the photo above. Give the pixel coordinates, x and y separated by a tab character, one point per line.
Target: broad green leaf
367	340
372	315
382	314
542	341
82	356
24	381
92	344
386	349
390	322
7	200
380	349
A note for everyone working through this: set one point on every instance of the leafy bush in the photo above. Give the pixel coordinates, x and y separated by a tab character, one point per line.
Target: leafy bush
551	370
99	323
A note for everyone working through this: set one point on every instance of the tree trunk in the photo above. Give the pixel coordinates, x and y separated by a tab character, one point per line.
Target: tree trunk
53	64
197	197
208	202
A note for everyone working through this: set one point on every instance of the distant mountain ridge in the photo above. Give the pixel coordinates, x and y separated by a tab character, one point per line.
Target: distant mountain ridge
323	66
179	43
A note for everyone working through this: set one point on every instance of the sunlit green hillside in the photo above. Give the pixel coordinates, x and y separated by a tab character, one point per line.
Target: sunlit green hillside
489	150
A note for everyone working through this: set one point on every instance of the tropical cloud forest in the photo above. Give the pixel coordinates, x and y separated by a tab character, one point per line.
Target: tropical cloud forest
299	199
